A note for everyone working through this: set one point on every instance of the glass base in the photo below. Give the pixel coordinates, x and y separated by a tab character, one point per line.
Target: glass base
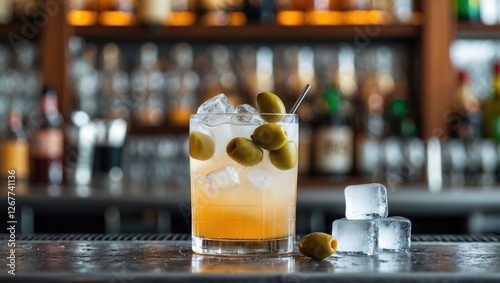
242	247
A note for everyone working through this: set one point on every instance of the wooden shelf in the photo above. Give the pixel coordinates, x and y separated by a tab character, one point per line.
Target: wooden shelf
477	31
5	30
254	33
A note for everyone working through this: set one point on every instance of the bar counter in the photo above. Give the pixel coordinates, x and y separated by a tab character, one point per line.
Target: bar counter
168	258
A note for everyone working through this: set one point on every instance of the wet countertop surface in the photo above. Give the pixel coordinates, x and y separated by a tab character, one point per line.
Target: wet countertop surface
139	260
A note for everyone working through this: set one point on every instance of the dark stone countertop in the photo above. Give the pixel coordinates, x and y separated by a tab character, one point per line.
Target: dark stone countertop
139	260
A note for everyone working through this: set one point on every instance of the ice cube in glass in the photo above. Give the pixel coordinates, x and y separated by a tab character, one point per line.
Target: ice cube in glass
365	201
243	118
222	179
394	234
218	104
260	179
356	236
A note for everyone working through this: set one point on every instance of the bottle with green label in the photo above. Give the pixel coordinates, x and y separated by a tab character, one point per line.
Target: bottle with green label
468	10
491	108
333	139
400	122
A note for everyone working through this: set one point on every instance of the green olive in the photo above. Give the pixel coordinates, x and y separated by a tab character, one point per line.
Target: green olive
318	245
286	157
269	136
244	151
201	146
268	102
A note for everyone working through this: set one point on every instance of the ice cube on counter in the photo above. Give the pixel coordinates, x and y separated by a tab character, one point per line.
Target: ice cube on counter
356	236
365	201
394	234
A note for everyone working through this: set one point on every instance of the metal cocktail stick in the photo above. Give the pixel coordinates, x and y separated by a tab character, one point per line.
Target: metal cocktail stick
299	100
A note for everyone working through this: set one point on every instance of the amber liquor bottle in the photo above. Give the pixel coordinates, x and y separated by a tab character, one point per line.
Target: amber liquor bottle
14	148
47	143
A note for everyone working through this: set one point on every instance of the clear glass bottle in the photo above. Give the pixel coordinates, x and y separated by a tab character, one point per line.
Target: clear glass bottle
181	85
115	85
85	76
29	81
402	11
221	77
147	88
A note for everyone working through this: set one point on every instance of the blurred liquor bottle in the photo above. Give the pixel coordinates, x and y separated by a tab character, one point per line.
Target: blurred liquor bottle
181	85
357	12
369	135
117	12
82	12
298	69
291	12
466	117
183	13
221	12
220	76
399	120
25	9
154	12
260	11
147	88
402	11
489	12
468	10
491	108
28	81
14	147
347	82
114	86
6	11
47	141
332	144
325	12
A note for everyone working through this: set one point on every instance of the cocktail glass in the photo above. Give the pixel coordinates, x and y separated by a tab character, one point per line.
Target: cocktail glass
242	209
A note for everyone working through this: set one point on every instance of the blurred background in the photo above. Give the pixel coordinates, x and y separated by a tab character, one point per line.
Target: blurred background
95	98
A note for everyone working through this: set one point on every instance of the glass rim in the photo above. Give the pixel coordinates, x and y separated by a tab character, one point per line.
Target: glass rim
243	114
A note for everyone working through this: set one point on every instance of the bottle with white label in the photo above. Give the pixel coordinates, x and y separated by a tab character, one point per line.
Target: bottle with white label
333	139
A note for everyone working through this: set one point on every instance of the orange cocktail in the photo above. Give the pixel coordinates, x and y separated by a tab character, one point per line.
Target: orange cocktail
243	202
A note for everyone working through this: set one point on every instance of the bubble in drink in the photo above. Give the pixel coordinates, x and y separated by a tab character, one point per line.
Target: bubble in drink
356	236
366	201
223	179
394	234
260	179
